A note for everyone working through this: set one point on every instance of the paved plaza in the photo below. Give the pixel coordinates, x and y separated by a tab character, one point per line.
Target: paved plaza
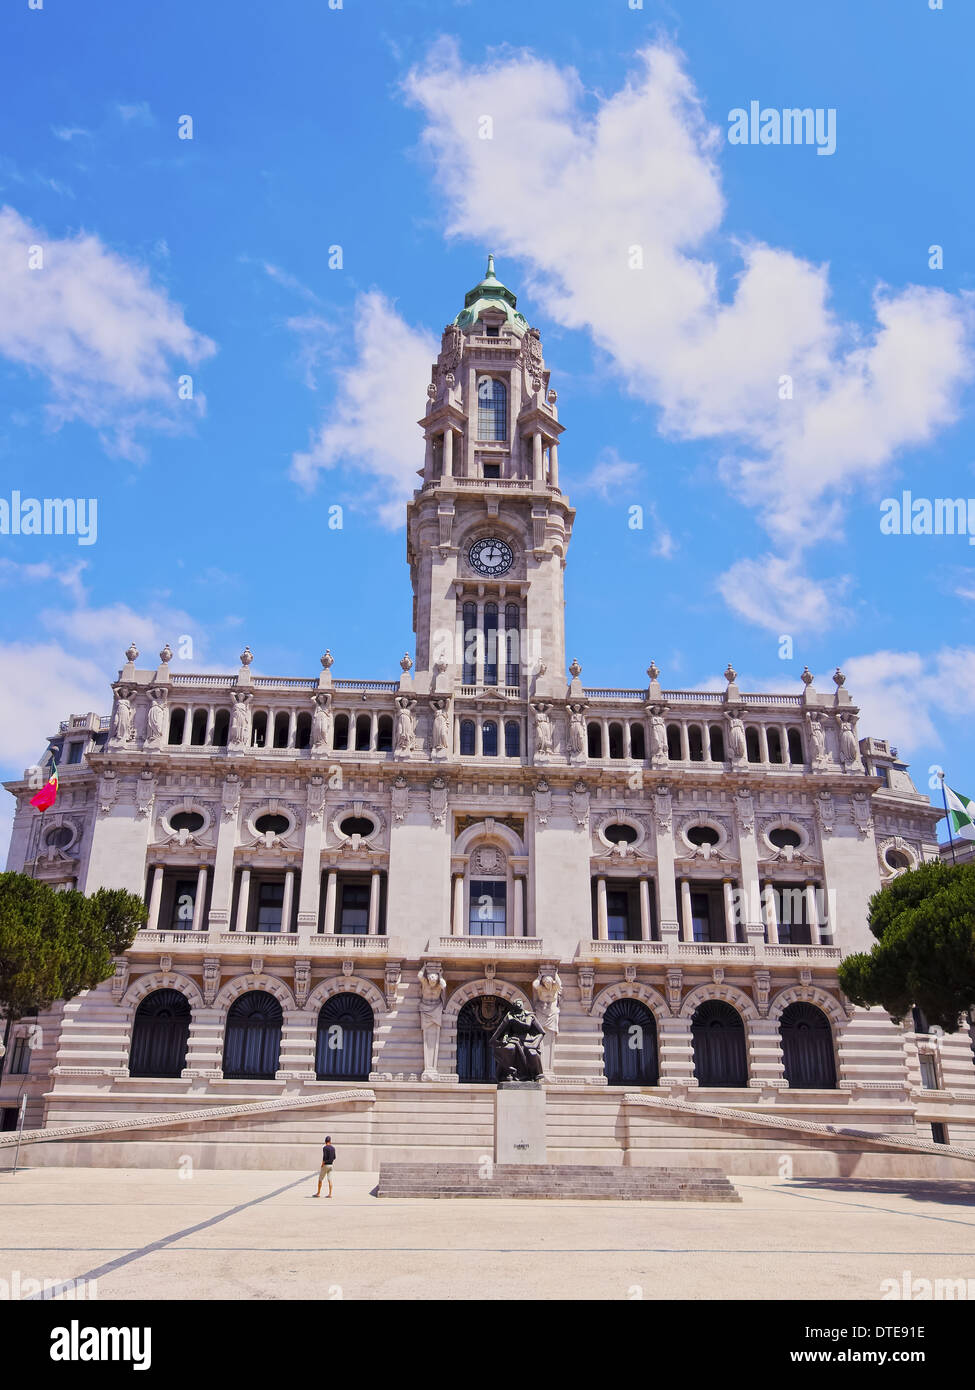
152	1234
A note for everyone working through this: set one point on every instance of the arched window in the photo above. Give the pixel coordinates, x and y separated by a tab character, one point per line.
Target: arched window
344	1045
221	728
512	739
475	1024
159	1034
492	409
752	746
281	725
363	731
303	730
718	1039
177	722
512	639
198	732
467	740
469	671
252	1043
795	746
490	644
489	738
716	737
259	732
594	735
340	739
807	1048
616	740
630	1044
695	743
673	743
638	742
384	734
774	738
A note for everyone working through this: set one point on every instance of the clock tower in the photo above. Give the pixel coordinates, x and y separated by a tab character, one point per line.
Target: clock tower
489	527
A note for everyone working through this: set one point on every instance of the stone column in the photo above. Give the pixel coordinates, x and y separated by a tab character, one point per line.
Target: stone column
200	899
331	888
188	726
292	728
685	746
644	909
211	717
538	462
602	914
553	463
374	903
518	887
448	453
155	898
687	918
457	922
288	899
729	910
771	917
243	899
812	914
763	743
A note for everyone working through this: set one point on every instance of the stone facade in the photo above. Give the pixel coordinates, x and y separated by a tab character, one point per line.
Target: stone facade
318	837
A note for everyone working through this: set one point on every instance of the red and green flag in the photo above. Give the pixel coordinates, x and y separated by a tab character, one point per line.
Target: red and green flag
48	794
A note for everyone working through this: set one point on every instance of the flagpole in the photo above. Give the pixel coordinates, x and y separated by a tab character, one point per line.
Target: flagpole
944	798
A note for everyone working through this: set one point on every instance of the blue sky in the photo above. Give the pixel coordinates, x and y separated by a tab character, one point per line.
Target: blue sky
357	127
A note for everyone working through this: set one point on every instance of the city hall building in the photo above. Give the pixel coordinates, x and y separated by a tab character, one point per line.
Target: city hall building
350	880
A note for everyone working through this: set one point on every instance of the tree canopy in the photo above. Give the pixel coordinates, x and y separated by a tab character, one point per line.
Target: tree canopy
54	945
924	922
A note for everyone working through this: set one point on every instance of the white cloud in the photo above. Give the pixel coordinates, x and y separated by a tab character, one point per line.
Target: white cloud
905	696
372	424
138	111
42	685
777	595
591	186
69	132
110	345
608	475
68	576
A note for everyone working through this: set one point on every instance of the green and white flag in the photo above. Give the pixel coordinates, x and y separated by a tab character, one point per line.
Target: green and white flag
961	814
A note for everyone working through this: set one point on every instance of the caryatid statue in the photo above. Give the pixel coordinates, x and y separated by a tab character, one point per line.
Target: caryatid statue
433	991
577	731
156	718
240	724
405	726
123	730
658	738
818	736
543	729
321	724
546	992
849	747
440	742
736	739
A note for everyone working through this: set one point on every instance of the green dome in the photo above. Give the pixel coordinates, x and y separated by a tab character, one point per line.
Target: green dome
490	294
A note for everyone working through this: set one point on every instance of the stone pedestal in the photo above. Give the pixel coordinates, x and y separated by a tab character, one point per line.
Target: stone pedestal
519	1123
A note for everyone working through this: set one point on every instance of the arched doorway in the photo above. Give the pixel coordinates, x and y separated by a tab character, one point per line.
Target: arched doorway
159	1034
718	1039
344	1045
807	1048
476	1022
252	1044
630	1044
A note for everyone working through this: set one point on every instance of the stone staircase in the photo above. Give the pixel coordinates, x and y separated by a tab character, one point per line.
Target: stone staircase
555	1182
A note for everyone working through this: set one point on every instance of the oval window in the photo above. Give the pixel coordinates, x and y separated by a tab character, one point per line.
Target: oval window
784	838
187	820
60	836
897	859
357	825
703	835
621	834
276	824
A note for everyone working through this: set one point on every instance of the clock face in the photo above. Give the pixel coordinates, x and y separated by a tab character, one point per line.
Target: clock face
491	556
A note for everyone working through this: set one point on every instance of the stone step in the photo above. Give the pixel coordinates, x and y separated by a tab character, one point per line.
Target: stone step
553	1181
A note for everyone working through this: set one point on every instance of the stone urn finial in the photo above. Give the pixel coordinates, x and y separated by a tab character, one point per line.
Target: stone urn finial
575	670
730	675
406	661
838	678
166	655
653	671
327	659
246	657
133	652
807	676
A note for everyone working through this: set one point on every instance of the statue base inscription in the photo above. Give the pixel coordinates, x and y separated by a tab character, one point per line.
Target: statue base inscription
519	1123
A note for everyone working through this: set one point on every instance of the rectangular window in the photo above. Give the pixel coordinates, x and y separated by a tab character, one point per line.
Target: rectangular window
701	916
354	917
617	915
75	751
270	903
184	902
8	1118
19	1056
487	916
929	1074
492	470
939	1133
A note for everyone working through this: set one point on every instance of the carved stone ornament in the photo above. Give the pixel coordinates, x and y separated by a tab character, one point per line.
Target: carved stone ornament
400	798
532	348
543	802
166	965
316	798
257	965
120	980
451	346
675	987
302	982
579	803
348	967
629	974
862	809
717	974
488	859
762	983
663	808
107	790
393	975
438	801
211	979
587	980
826	811
231	795
145	793
745	809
